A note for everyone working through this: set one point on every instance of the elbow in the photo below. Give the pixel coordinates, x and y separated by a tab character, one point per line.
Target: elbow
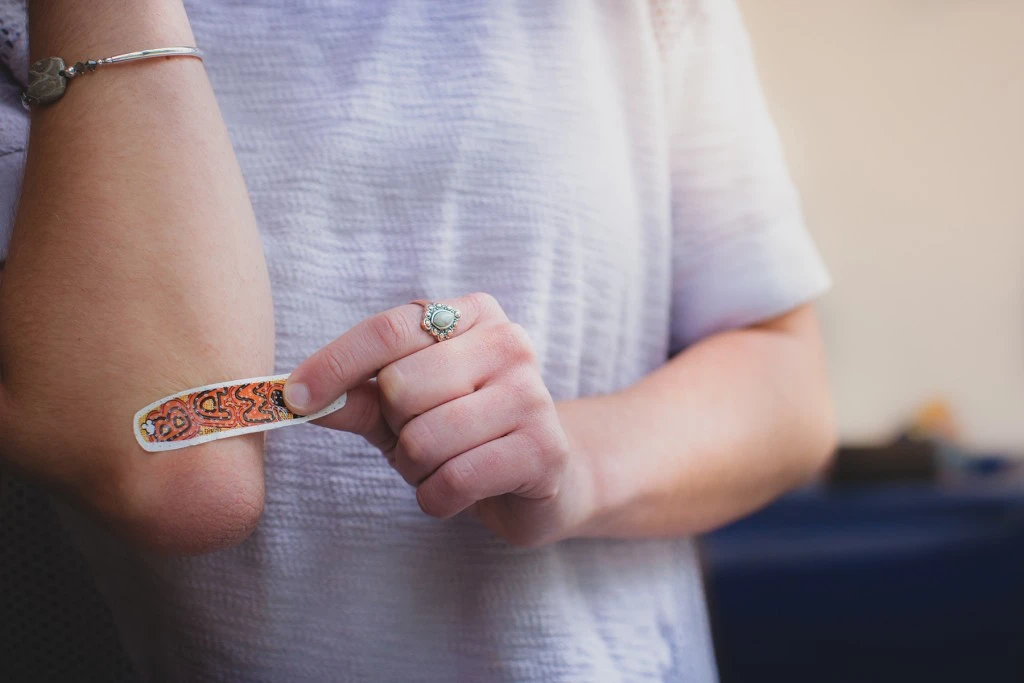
192	501
822	450
820	441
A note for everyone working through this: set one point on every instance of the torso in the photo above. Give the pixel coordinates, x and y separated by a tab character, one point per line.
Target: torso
398	150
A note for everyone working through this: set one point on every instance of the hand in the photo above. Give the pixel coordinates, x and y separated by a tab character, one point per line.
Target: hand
467	421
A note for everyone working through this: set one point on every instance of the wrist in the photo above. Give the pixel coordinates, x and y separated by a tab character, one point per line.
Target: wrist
599	481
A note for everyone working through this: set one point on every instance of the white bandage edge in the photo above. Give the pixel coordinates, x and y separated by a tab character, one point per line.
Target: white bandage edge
227	433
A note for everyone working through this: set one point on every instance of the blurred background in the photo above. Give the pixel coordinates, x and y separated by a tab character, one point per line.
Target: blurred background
903	122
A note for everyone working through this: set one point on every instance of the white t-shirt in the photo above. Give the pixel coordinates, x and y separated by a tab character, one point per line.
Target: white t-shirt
609	172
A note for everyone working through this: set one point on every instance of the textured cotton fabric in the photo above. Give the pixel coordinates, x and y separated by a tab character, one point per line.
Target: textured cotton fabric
609	172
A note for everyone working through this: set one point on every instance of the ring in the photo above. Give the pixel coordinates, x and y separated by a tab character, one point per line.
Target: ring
439	319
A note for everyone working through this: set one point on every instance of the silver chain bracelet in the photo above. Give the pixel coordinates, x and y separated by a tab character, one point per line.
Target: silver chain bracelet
48	78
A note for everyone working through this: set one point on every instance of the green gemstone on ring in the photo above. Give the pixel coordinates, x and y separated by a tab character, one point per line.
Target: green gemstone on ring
442	318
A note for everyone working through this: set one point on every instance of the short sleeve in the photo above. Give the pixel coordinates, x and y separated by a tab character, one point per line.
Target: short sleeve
741	250
14	120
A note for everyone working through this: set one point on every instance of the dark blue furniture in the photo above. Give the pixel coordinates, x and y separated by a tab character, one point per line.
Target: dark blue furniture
900	582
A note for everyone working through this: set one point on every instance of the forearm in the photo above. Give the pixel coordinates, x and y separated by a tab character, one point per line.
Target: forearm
134	221
716	433
135	267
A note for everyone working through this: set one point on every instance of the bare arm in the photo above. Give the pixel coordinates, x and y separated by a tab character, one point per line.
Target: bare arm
721	430
726	426
135	270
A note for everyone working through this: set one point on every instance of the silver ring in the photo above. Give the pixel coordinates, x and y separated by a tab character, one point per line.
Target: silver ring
440	320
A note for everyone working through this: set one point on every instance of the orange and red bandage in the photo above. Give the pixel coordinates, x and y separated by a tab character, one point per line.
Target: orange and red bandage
218	411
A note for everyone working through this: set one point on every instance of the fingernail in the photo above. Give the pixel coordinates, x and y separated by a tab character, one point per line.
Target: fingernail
297	396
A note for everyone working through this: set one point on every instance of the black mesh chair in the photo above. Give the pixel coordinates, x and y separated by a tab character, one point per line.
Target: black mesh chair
54	626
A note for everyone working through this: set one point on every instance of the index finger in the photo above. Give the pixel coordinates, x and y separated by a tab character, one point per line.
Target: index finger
371	345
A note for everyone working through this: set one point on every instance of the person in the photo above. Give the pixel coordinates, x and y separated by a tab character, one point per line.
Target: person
596	187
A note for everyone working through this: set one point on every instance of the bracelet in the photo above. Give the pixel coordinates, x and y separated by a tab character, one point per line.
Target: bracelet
48	78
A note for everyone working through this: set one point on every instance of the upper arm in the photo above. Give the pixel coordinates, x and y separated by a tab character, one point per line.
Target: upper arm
741	251
800	322
799	357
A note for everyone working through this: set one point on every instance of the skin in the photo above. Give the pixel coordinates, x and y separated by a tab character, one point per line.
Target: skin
717	432
87	313
135	270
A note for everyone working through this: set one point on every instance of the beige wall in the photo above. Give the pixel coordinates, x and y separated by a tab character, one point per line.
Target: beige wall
903	122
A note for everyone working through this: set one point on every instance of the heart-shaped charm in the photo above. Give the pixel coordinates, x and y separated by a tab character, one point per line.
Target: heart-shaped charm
46	81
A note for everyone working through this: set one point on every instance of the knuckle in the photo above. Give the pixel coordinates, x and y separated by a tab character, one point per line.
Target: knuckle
527	390
429	503
460	415
484	302
390	385
519	333
367	416
335	363
457	478
413	445
553	445
531	442
524	344
512	342
390	329
558	456
535	394
525	396
548	443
